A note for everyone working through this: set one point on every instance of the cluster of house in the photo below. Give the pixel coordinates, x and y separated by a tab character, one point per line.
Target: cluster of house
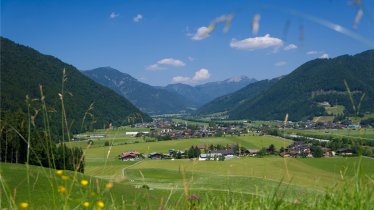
301	149
178	130
205	154
317	125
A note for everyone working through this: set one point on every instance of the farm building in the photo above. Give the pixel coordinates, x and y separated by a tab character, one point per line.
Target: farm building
130	156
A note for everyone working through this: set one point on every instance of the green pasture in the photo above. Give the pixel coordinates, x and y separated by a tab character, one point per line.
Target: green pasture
314	174
245	174
182	121
113	140
323	119
246	181
116	136
105	163
116	131
362	133
41	189
335	110
248	141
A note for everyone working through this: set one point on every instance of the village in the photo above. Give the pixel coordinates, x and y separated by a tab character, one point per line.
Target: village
302	146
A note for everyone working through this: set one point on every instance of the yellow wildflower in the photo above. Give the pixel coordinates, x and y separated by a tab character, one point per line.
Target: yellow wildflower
100	204
59	172
24	205
84	182
109	185
61	189
86	204
65	177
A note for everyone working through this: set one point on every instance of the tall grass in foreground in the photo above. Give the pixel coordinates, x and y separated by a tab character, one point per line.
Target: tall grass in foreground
26	187
58	189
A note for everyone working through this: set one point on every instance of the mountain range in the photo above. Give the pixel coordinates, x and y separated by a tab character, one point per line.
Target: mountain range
173	98
24	70
105	95
149	99
301	92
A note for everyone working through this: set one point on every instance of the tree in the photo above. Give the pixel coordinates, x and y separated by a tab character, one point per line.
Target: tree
271	149
262	152
221	158
197	152
317	151
179	155
219	133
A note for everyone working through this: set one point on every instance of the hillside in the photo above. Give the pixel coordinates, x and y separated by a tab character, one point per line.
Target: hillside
320	80
231	101
149	99
23	69
202	94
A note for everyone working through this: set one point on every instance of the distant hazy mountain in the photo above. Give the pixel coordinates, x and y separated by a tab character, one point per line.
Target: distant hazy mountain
149	99
173	98
23	69
300	92
202	94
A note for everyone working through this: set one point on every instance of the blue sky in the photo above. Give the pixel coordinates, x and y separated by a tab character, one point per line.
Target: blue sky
169	41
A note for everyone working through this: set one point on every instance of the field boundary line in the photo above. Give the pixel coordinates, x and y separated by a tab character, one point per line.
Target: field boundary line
123	169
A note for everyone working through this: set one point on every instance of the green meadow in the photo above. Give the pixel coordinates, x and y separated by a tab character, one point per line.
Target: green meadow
248	182
361	133
240	174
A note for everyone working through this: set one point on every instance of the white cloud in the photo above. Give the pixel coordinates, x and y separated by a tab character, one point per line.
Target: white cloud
280	63
171	62
164	63
290	47
155	67
138	18
201	33
113	15
181	79
313	52
257	43
321	54
200	75
324	56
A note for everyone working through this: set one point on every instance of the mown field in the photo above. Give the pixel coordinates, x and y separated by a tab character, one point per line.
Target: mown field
244	175
361	133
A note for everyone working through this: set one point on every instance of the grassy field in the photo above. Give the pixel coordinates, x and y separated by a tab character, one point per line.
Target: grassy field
42	188
182	121
323	119
335	110
266	183
364	133
317	174
248	141
115	136
107	157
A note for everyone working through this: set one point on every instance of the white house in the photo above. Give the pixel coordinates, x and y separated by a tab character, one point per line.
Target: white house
134	133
